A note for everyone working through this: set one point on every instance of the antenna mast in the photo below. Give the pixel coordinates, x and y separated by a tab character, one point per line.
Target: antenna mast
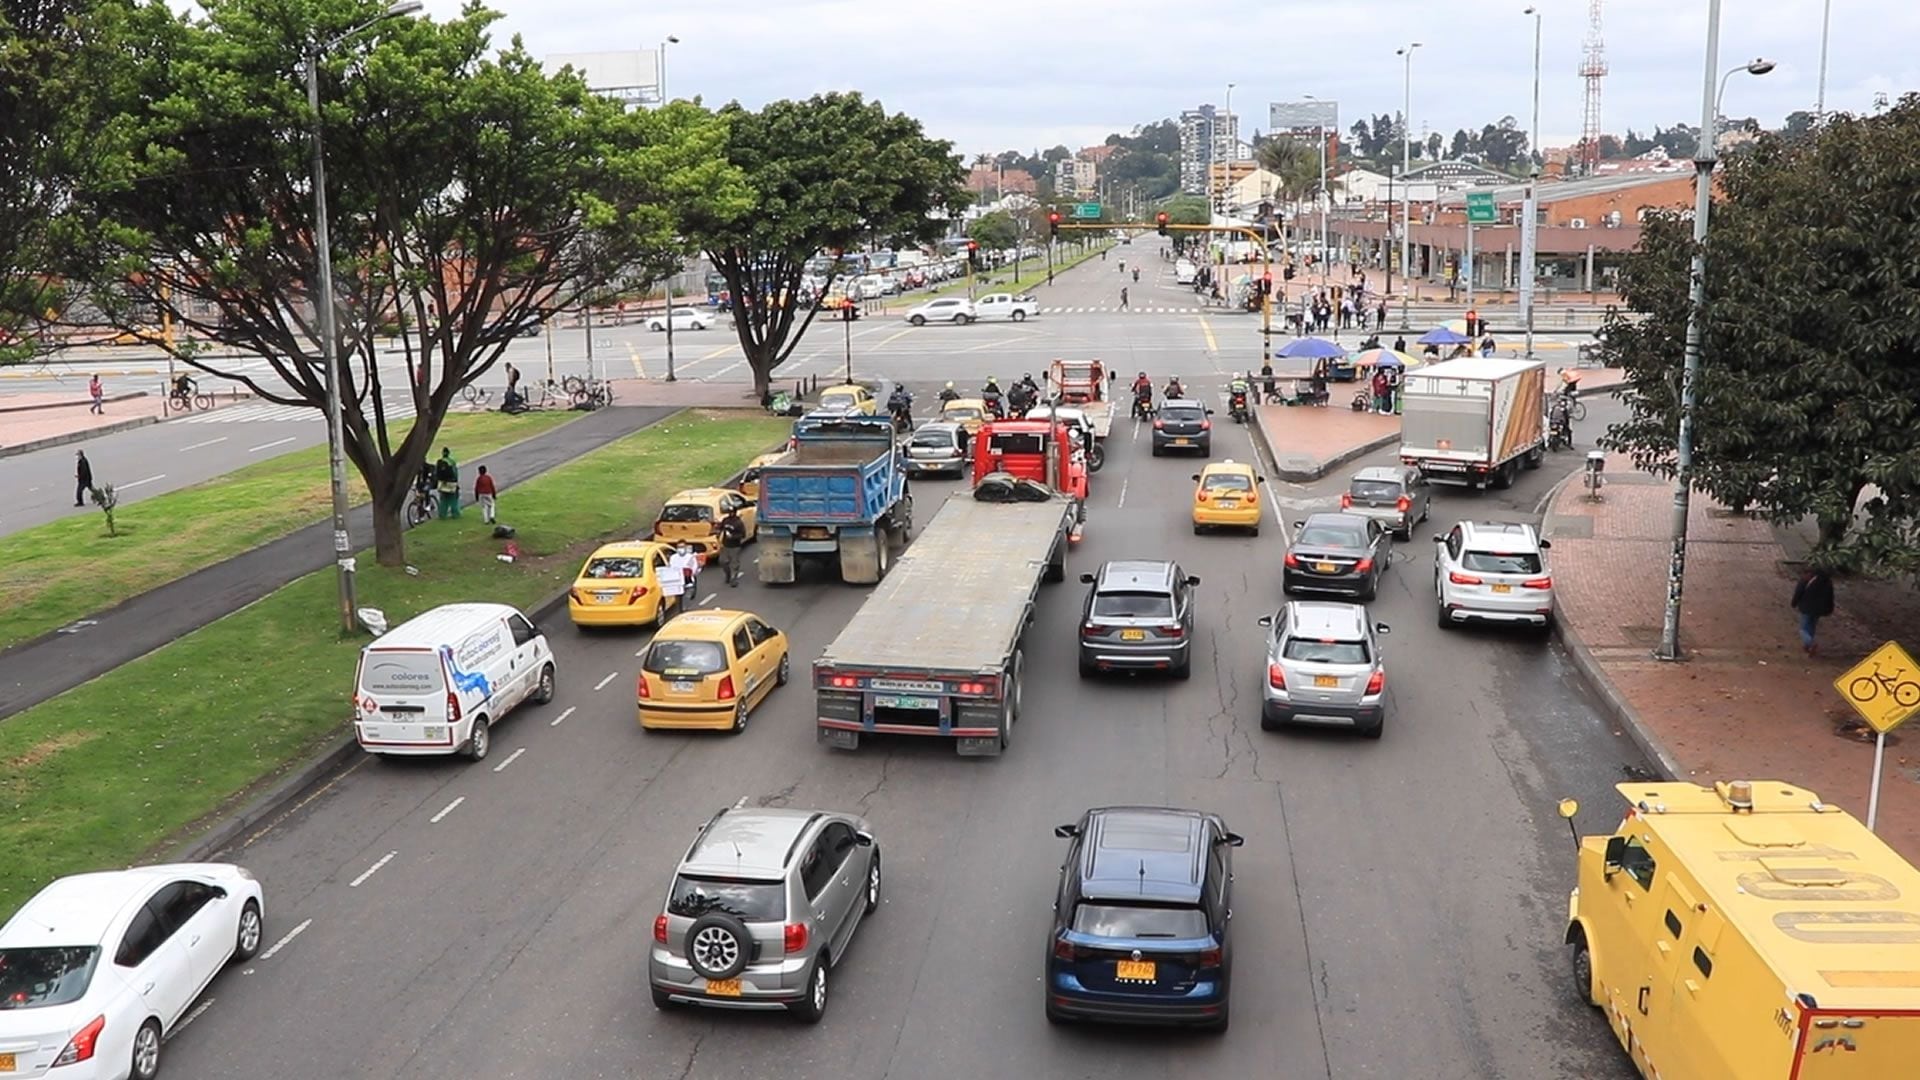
1593	68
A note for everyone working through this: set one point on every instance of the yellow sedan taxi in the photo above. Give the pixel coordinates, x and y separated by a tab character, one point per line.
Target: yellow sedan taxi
1226	495
750	477
619	585
969	413
694	516
849	399
708	669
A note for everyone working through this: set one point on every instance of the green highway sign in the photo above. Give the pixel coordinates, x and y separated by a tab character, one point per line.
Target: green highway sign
1480	209
1087	210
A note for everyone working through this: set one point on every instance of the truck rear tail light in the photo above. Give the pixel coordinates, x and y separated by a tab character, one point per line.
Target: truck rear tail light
1276	678
1403	504
1363	566
80	1047
971	688
1291	562
1376	683
1538	583
1346	501
453	707
796	937
725	693
660	929
843	682
1459	578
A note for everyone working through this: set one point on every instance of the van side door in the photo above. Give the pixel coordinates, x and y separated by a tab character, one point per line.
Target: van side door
524	659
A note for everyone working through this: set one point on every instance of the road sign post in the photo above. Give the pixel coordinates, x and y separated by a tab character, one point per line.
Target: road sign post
1884	689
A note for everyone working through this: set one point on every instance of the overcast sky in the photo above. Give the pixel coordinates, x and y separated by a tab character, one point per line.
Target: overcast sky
997	74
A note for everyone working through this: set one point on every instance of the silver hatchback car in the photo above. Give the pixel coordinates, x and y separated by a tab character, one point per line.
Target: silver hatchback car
761	909
1396	496
1324	666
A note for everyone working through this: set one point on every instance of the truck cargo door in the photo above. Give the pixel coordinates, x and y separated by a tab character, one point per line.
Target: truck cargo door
1859	1046
1689	1043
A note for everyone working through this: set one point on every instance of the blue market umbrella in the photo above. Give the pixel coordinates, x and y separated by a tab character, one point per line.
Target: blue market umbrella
1311	348
1441	335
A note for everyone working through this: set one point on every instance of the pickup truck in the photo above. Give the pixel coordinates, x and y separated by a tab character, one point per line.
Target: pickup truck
1006	306
839	495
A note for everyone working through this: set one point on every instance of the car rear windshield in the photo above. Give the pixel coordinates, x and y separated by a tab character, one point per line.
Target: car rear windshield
838	401
695	657
1375	489
750	901
1325	652
1133	605
942	440
400	671
614	566
1228	482
1498	562
1182	415
685	512
41	977
962	412
1130	921
1014	442
1332	536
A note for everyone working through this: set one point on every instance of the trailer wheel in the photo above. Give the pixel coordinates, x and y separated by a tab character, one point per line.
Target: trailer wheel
883	554
1014	690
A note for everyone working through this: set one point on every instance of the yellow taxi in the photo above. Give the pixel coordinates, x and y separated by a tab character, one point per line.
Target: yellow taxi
856	400
694	516
619	585
969	413
750	476
708	669
1226	494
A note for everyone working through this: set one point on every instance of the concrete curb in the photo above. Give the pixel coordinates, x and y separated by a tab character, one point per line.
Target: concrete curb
1612	701
78	436
1321	468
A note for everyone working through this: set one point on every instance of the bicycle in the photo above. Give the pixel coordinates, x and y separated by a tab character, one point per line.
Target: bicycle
475	396
1905	692
588	393
421	507
187	397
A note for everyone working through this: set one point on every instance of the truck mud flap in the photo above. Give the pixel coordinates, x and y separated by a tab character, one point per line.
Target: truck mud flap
775	558
837	738
864	556
1057	562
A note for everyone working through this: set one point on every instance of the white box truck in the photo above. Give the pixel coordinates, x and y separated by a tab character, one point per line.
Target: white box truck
1476	420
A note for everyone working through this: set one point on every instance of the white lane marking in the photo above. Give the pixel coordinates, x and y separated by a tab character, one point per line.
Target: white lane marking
271	445
740	802
286	940
1123	493
198	445
148	480
189	1018
562	717
371	870
445	810
511	758
726	369
602	684
704	601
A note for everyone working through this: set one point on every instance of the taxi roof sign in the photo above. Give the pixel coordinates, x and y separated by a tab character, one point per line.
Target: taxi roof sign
1884	688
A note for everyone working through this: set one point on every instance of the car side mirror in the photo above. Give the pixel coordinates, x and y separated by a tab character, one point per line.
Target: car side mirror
1439	539
864	839
1086	579
1196	476
1233	839
1191	580
1259	479
1264	620
1066	832
1616	855
1209	412
1545	544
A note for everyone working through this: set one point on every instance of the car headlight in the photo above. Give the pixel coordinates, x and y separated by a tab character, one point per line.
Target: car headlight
244	873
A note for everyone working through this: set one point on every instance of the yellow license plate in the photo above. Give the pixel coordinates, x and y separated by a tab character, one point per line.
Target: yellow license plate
1323	567
1134	970
1503	588
7	1064
1327	681
723	987
1179	442
1133	635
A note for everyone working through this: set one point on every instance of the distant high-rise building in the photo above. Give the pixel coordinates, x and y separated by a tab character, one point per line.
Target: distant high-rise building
1198	143
1226	137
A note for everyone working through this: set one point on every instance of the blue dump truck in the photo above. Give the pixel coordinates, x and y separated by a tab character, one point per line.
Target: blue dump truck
838	496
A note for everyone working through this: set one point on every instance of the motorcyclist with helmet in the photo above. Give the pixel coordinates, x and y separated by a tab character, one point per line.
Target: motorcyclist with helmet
900	405
994	397
1142	397
1174	389
948	393
1237	390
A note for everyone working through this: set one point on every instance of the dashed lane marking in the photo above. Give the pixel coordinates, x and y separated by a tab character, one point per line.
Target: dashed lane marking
271	445
740	802
287	938
148	480
199	445
602	684
445	810
511	758
558	720
372	870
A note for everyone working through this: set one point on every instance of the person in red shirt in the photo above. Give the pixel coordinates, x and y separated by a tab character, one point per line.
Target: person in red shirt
483	493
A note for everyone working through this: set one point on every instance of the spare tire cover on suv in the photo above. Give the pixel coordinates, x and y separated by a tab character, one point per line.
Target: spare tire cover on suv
718	946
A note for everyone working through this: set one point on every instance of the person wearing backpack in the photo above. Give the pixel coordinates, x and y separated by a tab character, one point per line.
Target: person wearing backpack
446	481
733	537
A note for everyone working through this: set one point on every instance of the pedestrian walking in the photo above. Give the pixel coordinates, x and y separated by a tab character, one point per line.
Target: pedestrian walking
1813	599
1382	393
1123	298
1473	323
483	493
1380	315
687	565
733	537
83	478
446	481
673	586
99	396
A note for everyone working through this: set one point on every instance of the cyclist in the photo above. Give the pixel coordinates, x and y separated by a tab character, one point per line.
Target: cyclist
184	386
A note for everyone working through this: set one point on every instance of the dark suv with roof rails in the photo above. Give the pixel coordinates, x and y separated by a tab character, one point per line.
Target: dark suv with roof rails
1138	617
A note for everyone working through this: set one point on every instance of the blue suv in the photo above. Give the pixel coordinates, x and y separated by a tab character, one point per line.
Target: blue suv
1140	921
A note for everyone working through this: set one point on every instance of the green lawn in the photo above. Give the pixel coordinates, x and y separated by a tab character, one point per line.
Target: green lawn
110	769
1025	284
68	569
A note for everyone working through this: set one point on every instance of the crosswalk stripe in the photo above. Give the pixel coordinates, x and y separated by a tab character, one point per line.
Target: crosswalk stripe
267	412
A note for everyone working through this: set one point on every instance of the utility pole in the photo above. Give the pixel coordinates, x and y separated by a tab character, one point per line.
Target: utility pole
1530	228
1406	190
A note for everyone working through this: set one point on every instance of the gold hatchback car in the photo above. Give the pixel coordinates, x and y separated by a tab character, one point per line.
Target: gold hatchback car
708	668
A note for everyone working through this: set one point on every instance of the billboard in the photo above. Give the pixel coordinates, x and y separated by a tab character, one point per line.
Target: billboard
1297	117
632	76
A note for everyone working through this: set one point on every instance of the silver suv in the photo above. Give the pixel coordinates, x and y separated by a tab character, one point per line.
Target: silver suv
1324	667
762	907
1493	571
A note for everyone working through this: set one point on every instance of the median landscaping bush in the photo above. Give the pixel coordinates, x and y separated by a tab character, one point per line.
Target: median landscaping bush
108	771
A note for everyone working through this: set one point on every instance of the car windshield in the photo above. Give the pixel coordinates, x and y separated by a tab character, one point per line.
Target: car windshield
1228	482
961	412
1324	651
685	657
44	976
1331	536
1133	605
684	513
1375	489
939	439
614	566
1130	921
1502	562
751	901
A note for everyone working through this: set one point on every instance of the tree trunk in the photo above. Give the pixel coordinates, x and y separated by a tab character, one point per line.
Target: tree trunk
389	522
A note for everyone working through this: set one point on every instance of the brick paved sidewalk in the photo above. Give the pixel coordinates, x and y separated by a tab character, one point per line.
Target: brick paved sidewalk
1747	703
35	421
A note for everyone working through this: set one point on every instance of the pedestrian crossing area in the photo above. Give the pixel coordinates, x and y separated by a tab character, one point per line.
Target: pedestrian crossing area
1142	309
266	412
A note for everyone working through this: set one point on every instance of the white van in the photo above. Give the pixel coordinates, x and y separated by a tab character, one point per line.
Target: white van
1184	272
437	683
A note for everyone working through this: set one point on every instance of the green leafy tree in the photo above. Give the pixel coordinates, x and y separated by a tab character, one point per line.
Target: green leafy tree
1808	397
1295	161
829	173
471	195
994	231
1188	210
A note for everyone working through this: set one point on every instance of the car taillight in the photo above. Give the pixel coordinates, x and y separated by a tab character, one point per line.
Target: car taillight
1094	629
1276	678
641	688
80	1047
453	707
1064	950
1210	958
1159	425
1173	630
1201	495
574	595
638	592
1291	562
1376	682
1363	566
725	692
1403	504
1346	501
1459	578
1538	583
660	929
1206	425
796	936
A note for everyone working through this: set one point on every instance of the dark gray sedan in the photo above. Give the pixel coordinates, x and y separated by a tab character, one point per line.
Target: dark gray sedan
1336	553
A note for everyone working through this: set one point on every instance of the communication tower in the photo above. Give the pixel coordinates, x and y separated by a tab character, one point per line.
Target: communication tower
1593	68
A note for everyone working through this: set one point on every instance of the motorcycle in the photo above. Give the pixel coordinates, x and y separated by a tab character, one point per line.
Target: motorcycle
1143	405
995	405
1559	427
902	417
1237	407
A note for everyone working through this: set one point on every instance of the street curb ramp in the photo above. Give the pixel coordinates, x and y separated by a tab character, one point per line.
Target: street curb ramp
1294	475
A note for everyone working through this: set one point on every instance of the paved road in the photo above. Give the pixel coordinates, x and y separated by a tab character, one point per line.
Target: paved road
1399	902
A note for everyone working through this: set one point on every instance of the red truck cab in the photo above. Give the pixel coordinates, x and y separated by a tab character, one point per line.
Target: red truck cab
1078	382
1033	450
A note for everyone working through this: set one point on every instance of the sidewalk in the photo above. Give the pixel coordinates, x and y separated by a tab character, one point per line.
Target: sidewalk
31	422
1747	704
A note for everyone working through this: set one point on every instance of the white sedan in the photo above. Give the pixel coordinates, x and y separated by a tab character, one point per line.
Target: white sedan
684	318
953	309
97	969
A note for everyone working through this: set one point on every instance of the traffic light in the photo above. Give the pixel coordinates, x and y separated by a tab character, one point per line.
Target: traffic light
847	312
1287	272
1053	224
973	254
1160	222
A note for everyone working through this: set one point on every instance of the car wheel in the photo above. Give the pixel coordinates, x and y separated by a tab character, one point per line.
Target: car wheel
145	1064
1376	730
786	670
1268	721
1156	449
811	1008
959	320
479	741
873	883
740	716
1087	668
1055	1016
544	695
1445	620
1019	316
1198	528
1184	669
918	320
1371	592
660	999
718	946
655	326
1219	1027
246	939
1253	530
1583	971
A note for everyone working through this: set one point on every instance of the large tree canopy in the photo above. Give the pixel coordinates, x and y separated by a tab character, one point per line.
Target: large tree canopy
831	173
1809	393
470	195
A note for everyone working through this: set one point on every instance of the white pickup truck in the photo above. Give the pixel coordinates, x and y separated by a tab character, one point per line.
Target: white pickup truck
1006	306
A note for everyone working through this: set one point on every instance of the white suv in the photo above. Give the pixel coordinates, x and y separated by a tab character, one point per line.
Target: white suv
1492	571
953	309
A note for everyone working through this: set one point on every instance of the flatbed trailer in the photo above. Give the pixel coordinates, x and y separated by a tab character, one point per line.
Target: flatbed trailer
936	650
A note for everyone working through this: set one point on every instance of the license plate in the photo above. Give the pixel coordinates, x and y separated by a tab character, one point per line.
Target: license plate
894	701
723	987
1135	970
1327	681
1228	504
605	597
1133	635
1179	442
1503	588
7	1064
1324	567
682	687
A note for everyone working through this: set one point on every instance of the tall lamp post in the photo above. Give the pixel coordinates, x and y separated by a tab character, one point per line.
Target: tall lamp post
1826	28
1406	188
1704	157
1530	228
329	341
671	40
1325	197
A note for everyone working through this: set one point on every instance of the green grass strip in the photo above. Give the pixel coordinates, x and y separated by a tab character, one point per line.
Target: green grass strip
107	771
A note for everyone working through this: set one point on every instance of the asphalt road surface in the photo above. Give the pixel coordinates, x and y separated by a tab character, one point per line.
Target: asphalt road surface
1399	904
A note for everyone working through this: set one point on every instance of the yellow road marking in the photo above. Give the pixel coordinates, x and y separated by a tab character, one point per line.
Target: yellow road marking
721	351
639	369
1207	329
894	337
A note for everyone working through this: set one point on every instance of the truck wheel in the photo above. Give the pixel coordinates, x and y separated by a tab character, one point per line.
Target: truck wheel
1535	456
883	555
1583	970
1019	670
1019	316
1503	476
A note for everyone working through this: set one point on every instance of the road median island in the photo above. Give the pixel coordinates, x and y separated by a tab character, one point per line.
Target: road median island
119	766
983	285
71	568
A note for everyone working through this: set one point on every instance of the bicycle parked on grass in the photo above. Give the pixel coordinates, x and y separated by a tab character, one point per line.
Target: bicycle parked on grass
421	507
475	396
588	393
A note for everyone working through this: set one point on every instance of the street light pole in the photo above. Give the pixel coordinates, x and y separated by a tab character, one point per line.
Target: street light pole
1530	228
1826	28
671	40
1406	189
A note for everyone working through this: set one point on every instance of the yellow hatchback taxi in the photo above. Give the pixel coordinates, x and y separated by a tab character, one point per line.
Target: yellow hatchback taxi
708	669
1226	495
619	585
969	413
849	399
694	516
750	476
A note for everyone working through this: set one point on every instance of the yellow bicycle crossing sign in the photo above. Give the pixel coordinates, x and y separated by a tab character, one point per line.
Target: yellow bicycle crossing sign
1884	688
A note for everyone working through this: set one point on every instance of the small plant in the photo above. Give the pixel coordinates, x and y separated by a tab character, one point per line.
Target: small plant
105	498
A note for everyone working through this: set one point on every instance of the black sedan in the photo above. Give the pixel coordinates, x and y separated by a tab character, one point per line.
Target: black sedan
1337	553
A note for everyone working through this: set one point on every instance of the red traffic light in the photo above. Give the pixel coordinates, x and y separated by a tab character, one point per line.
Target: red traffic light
1162	218
973	245
1054	217
1160	222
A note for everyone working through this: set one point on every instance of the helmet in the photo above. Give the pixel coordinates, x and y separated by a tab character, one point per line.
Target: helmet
949	385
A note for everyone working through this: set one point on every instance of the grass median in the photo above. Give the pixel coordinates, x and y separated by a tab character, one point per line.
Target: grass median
68	569
108	770
993	282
